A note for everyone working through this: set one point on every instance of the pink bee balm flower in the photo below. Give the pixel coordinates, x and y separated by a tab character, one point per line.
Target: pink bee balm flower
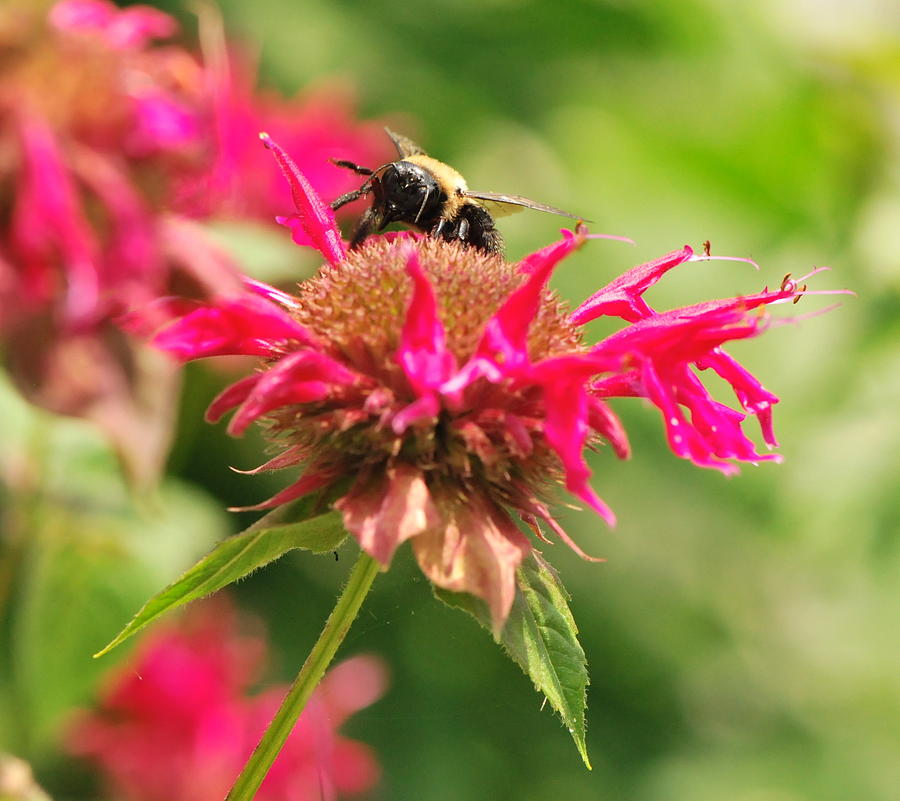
177	720
97	116
318	124
437	393
106	131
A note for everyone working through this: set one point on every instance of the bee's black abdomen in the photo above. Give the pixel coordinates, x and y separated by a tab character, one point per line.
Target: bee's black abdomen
474	226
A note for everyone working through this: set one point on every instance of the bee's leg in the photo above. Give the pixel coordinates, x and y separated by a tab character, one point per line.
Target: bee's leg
462	231
369	222
350	165
439	231
349	197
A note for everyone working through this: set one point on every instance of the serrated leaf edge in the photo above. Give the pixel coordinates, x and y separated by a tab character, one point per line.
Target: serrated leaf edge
252	534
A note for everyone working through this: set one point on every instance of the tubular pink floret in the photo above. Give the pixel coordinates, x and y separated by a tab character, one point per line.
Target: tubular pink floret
314	478
566	418
684	439
48	221
124	29
547	258
230	397
622	297
271	293
423	353
505	338
301	377
245	326
314	214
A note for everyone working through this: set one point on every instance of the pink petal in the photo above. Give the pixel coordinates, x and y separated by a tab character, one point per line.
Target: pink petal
382	513
247	326
566	423
517	435
313	479
315	215
505	338
718	424
161	123
622	297
477	367
270	292
146	320
423	353
684	439
230	397
189	249
477	550
135	26
133	265
299	235
356	768
425	408
545	259
353	685
607	424
301	377
750	392
129	28
679	335
81	15
48	222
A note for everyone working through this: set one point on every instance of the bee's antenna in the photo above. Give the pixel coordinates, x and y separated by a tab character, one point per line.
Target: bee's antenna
422	207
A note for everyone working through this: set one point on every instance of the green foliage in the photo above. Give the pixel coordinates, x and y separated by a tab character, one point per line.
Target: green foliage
541	637
287	528
77	555
83	572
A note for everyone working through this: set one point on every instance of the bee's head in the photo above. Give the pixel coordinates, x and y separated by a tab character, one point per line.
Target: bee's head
406	192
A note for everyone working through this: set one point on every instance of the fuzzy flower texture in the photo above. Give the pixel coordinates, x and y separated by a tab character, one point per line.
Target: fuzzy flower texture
177	721
437	392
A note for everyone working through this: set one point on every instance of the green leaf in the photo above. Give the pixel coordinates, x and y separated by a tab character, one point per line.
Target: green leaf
238	556
541	637
85	567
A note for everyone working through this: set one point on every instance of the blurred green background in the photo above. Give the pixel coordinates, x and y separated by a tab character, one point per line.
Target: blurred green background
742	637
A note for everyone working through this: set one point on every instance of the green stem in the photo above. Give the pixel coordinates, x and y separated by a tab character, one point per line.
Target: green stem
336	628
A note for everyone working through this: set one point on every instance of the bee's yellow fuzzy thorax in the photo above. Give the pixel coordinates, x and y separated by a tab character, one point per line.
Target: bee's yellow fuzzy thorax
452	184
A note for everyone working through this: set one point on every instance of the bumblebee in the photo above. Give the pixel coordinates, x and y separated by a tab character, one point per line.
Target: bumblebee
432	197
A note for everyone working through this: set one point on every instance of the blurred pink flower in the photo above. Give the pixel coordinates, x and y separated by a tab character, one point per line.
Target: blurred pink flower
178	721
107	137
450	388
318	124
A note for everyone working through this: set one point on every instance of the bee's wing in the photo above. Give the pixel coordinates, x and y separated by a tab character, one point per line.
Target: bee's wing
501	205
405	146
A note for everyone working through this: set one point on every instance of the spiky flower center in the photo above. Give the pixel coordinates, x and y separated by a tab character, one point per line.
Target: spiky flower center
359	307
365	298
